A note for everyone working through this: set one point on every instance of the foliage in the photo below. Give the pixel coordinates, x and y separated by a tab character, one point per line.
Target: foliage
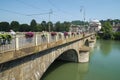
15	25
57	27
107	31
66	26
61	27
38	28
112	22
98	36
117	36
4	38
49	24
24	27
44	25
33	25
4	26
78	22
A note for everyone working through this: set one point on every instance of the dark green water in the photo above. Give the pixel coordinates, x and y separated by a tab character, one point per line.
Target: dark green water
104	65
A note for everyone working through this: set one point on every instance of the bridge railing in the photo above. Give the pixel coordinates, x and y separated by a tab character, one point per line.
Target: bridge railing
20	41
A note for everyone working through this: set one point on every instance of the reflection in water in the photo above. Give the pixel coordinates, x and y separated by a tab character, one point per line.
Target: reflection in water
82	70
66	71
105	46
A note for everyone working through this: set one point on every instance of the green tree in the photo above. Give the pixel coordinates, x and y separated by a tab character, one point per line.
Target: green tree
117	35
4	26
38	28
58	26
66	26
15	25
50	24
44	25
107	30
24	28
33	25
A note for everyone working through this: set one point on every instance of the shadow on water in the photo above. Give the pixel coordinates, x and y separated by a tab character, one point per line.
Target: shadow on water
61	70
56	64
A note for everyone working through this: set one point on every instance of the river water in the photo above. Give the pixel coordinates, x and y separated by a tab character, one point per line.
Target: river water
104	64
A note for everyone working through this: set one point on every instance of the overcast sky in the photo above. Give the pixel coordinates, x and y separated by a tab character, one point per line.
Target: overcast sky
63	10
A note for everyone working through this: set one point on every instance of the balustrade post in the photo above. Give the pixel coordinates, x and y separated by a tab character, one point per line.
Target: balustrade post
63	36
56	37
70	35
48	38
36	40
16	43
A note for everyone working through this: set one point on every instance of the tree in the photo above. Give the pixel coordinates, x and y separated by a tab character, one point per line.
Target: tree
4	26
44	25
49	24
57	26
15	25
66	26
107	30
38	28
24	27
33	24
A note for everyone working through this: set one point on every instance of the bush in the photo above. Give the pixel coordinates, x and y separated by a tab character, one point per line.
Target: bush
65	33
29	34
117	35
4	38
53	33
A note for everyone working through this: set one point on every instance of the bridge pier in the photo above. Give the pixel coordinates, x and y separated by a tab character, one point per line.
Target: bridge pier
84	54
92	42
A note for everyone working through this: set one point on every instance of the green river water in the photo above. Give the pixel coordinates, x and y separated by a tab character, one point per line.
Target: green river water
104	64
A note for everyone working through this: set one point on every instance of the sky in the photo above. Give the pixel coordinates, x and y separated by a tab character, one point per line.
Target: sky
24	11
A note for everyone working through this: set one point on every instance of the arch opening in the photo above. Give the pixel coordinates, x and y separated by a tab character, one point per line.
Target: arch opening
69	55
86	42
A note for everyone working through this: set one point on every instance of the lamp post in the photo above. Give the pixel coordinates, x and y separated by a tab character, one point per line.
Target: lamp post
83	10
49	19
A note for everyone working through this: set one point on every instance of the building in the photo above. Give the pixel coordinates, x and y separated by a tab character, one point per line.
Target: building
75	28
95	25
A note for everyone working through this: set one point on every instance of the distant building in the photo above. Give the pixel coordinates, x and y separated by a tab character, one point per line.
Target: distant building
95	25
116	28
75	28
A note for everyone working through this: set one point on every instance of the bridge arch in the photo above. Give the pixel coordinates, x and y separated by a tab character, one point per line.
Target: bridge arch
69	55
86	42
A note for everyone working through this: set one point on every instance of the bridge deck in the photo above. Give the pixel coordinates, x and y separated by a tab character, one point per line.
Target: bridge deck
21	46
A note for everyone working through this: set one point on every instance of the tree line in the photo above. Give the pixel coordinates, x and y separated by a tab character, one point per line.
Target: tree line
107	31
113	22
34	26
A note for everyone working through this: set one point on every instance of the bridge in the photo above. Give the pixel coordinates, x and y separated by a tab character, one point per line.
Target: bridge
29	58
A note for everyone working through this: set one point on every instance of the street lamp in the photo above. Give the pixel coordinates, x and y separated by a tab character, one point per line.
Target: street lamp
49	19
82	9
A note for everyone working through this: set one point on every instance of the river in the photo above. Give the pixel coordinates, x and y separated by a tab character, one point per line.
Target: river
104	64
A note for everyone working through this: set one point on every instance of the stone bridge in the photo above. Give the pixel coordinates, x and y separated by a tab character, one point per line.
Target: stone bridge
29	59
